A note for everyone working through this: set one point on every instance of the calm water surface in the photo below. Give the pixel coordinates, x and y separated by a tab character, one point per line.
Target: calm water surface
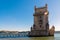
56	37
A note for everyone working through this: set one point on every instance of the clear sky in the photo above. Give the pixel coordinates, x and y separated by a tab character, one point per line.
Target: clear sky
17	15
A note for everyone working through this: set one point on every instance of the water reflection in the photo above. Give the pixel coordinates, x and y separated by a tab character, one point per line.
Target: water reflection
55	37
30	38
41	38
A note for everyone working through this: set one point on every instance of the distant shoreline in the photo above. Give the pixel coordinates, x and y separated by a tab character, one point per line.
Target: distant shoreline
57	31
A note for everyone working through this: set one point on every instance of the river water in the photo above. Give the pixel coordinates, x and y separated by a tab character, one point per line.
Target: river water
56	37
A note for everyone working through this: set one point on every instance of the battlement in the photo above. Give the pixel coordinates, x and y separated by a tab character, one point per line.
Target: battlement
41	9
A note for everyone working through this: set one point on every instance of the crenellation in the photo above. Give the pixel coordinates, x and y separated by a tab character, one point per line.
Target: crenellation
41	23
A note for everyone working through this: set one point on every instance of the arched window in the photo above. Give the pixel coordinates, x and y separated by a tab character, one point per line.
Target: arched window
40	22
40	16
40	26
47	25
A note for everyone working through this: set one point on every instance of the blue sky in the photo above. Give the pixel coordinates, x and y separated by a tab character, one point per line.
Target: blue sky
17	15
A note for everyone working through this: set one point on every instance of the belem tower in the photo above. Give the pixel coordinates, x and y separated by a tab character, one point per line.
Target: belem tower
41	23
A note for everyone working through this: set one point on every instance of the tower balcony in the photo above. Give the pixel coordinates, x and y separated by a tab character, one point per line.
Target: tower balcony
37	14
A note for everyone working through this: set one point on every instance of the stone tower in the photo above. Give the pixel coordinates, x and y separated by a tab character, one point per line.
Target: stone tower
41	23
